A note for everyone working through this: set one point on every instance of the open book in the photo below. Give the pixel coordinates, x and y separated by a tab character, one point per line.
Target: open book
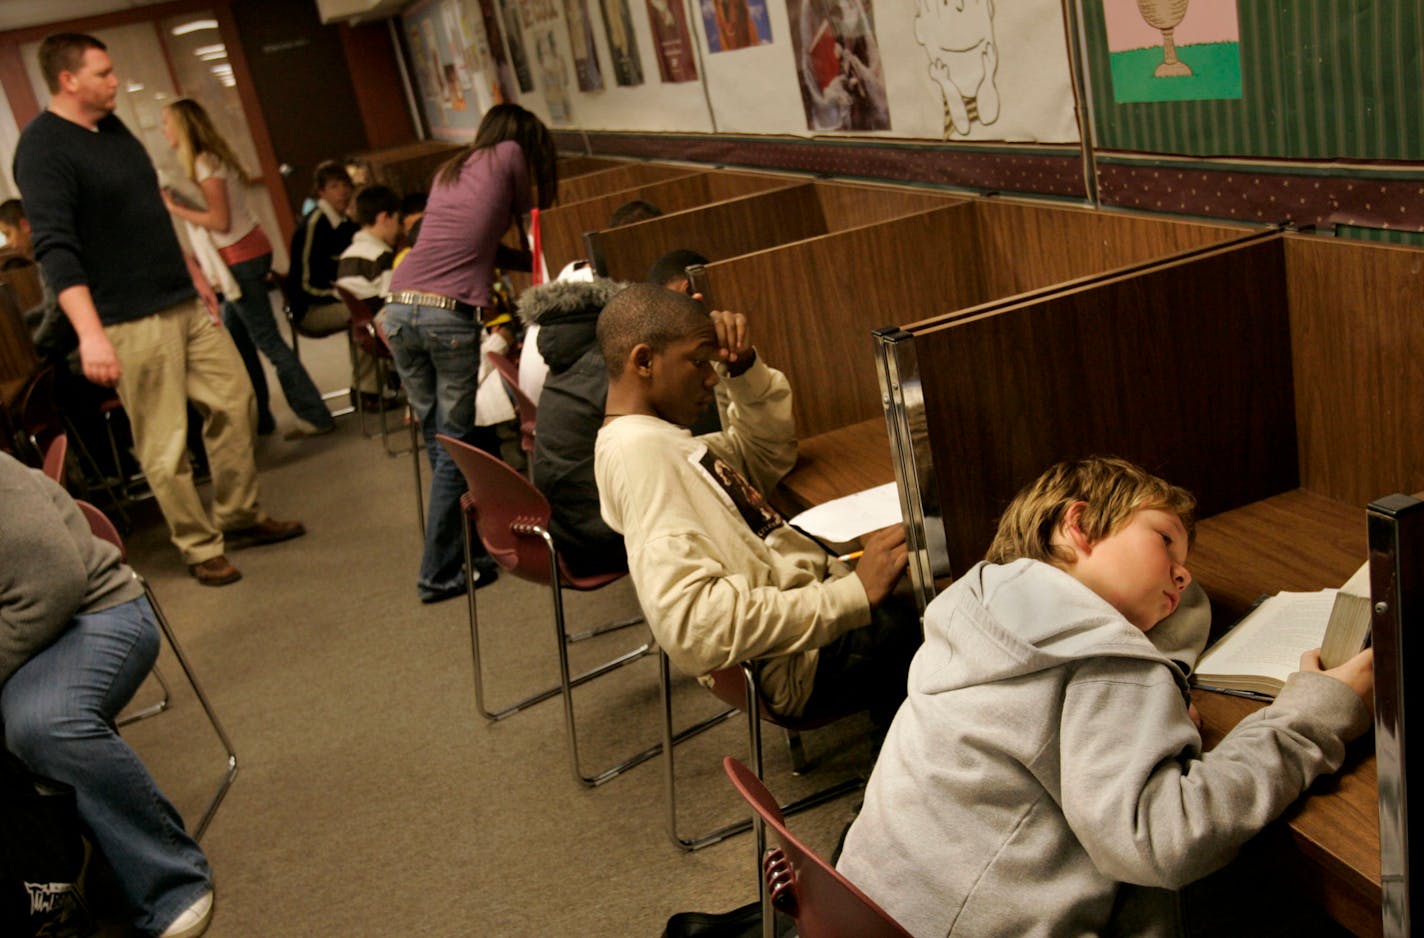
1264	648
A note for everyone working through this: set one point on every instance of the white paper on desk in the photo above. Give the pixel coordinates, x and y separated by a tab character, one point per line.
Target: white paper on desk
844	519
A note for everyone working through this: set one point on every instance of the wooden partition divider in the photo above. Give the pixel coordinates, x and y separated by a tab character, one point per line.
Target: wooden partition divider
571	166
814	302
587	185
1149	366
564	225
1357	342
739	226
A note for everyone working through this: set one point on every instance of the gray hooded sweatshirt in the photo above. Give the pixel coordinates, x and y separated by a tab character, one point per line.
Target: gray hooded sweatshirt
1044	760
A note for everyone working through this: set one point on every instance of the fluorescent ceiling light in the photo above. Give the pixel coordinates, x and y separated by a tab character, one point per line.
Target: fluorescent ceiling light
222	69
134	87
206	50
212	56
192	26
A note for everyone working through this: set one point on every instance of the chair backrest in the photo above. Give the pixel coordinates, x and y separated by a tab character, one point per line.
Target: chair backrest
502	499
802	885
528	410
289	310
102	527
55	456
363	324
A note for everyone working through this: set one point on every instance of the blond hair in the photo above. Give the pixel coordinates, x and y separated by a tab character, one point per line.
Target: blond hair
1112	488
197	135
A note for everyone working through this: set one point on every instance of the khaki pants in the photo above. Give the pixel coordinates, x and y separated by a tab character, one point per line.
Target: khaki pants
168	358
331	315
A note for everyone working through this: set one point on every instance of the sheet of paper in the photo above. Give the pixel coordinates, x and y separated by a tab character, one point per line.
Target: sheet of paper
845	519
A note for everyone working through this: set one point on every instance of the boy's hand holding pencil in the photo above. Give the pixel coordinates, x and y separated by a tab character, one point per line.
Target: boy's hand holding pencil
882	562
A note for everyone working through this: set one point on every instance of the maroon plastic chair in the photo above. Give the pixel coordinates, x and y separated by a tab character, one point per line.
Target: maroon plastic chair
104	529
527	409
798	883
511	518
365	337
737	688
55	457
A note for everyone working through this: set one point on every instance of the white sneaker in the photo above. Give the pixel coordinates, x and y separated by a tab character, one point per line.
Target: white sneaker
192	921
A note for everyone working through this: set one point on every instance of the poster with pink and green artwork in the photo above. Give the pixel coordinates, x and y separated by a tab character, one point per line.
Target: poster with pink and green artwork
1173	50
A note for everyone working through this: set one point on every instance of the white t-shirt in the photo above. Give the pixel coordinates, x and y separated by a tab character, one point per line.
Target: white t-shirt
241	221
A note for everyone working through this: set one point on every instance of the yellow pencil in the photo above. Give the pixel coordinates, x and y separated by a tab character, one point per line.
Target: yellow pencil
853	555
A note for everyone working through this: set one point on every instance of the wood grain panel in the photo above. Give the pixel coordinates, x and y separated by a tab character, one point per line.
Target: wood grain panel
588	185
565	225
17	351
813	304
717	231
846	206
571	166
837	463
1026	246
1152	366
1357	333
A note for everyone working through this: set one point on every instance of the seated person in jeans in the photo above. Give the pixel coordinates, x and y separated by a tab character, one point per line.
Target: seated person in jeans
77	637
721	577
1045	775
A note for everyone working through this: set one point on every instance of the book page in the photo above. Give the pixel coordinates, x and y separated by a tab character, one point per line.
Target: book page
1272	638
842	520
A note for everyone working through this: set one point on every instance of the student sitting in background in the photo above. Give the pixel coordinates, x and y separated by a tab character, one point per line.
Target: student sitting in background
721	577
634	210
317	245
670	270
364	269
1045	775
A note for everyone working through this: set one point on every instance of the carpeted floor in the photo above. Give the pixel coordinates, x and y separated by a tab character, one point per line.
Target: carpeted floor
372	799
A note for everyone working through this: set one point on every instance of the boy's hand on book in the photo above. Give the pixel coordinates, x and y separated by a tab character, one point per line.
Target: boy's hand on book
1358	673
882	563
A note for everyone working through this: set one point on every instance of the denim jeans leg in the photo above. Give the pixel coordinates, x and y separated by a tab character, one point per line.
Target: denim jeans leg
255	310
436	352
242	338
58	711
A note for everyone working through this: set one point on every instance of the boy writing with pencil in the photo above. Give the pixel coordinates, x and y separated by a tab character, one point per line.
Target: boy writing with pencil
1044	776
721	577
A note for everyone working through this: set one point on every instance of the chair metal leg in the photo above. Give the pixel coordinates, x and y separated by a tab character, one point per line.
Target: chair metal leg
495	716
669	747
800	765
605	628
87	458
202	696
753	709
152	710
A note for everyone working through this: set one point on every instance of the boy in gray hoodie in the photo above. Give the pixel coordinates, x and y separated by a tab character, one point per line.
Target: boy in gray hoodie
1045	775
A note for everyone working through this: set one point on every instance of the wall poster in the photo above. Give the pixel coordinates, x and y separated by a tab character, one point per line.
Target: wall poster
672	41
1173	50
586	68
838	64
735	24
622	43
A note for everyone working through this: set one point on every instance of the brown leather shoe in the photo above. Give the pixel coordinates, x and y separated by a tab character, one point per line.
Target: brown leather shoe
217	571
266	531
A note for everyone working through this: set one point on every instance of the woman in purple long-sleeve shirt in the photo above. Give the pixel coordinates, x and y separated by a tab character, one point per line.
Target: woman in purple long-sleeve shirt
439	295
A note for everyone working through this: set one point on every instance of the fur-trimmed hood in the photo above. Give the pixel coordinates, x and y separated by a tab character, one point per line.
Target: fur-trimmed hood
567	315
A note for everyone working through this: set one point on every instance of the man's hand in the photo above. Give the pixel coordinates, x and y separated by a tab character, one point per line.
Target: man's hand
1358	673
882	563
734	341
101	365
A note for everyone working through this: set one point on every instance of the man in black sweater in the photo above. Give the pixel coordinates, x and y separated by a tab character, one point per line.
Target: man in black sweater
111	256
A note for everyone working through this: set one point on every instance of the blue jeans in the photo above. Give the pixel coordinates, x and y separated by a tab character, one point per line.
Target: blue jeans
252	314
59	709
437	353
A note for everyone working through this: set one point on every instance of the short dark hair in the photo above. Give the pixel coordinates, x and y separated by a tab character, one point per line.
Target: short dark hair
64	52
631	211
12	212
327	172
413	203
673	266
371	201
645	313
